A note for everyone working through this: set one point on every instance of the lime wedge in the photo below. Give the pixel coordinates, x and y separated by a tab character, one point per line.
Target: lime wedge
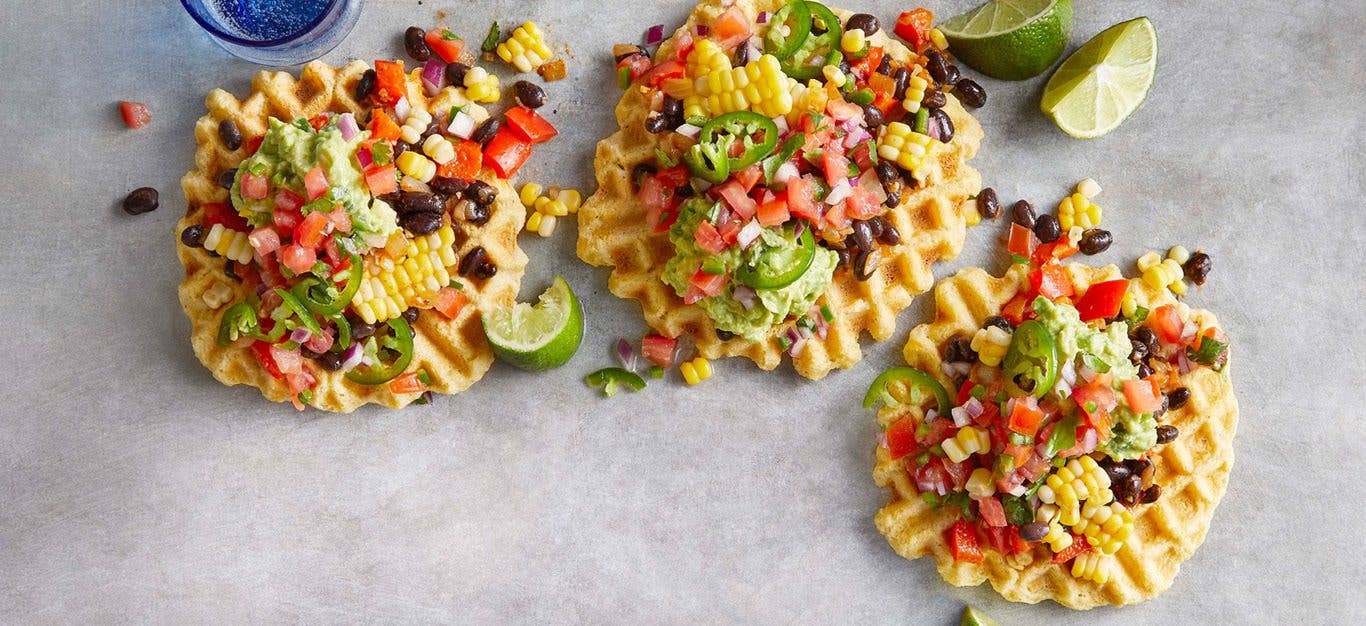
537	337
1104	81
1011	39
973	617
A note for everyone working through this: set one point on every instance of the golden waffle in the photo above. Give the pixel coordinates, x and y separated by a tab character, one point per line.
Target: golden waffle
454	352
613	232
1192	470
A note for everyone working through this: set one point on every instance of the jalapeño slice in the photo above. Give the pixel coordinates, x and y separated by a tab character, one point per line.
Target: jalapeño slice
238	321
821	48
300	311
322	297
398	342
788	29
773	270
714	157
1031	364
919	387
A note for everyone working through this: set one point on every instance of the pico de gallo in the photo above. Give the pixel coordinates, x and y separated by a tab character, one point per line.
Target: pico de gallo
1041	426
344	230
783	139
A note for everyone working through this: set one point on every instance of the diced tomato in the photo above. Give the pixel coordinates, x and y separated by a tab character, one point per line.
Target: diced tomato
287	220
861	155
529	125
914	27
1034	467
449	302
659	350
900	437
310	233
739	202
932	477
674	177
1051	280
390	83
1079	546
319	121
334	256
773	213
1018	453
407	383
254	186
1004	539
506	152
221	213
262	351
835	166
289	361
1142	396
469	158
708	239
1095	400
253	144
637	64
938	431
962	542
1102	300
704	285
1060	249
1017	309
381	179
656	76
1167	322
1025	416
866	201
286	200
749	177
341	220
1008	482
264	240
991	511
1021	241
837	217
297	258
683	45
445	44
315	183
958	473
135	114
383	127
730	231
319	343
660	212
731	28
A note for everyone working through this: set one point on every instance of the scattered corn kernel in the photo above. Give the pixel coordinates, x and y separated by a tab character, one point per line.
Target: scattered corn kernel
759	86
571	198
417	122
529	193
417	166
1148	260
938	39
439	148
533	223
915	92
217	294
906	148
1074	235
833	75
481	86
971	215
229	243
1078	210
991	344
1179	254
980	484
696	370
555	208
1128	306
1088	187
547	226
525	49
853	41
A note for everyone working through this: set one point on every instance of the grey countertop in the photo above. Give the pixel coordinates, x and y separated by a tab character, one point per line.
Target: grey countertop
136	488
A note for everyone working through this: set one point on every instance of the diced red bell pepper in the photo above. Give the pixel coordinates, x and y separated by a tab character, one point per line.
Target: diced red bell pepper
659	350
445	44
1102	300
1004	539
1017	309
313	229
1060	249
529	125
318	121
383	127
1021	241
739	202
1079	546
407	383
900	437
221	213
315	183
262	351
391	85
773	213
867	66
135	114
962	542
801	199
381	179
469	158
1167	322
1096	400
1051	281
1142	396
914	27
708	239
1025	416
991	511
449	302
506	153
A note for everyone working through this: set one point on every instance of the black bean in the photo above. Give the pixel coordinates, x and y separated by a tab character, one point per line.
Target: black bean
1161	409
365	87
970	93
231	136
486	131
938	66
192	236
1178	397
960	350
330	361
410	202
724	334
455	73
1095	241
639	171
415	44
1138	466
741	55
934	99
900	79
1128	490
360	330
1022	213
1139	352
656	123
887	173
872	116
893	198
421	223
888	235
1167	433
864	22
843	257
449	186
227	177
1151	494
988	204
945	124
1034	531
141	200
1116	471
673	111
867	262
1047	228
1144	370
529	94
472	259
410	314
863	234
999	322
485	270
885	67
230	270
953	75
481	192
1198	267
1148	337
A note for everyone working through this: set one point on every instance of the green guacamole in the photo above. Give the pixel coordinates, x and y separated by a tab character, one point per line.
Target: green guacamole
1132	434
1106	351
771	306
288	151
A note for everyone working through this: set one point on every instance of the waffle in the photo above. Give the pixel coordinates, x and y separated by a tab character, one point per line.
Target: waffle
613	232
454	352
1193	470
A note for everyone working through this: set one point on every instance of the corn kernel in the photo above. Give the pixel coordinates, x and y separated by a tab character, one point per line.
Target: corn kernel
416	123
417	166
1179	254
216	295
991	344
525	49
571	198
533	223
980	484
529	193
1148	260
1089	188
389	286
547	225
556	208
938	39
853	41
439	148
696	370
906	148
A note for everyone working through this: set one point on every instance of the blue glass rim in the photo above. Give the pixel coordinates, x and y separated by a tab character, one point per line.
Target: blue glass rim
252	43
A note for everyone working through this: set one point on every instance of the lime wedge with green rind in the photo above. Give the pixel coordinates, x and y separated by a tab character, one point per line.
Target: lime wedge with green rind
539	337
1104	81
1011	39
974	617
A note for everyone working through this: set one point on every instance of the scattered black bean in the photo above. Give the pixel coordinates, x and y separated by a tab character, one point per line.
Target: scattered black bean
1022	213
741	55
656	123
474	213
892	199
1139	351
639	171
1167	433
360	330
1047	228
872	116
366	85
455	73
843	257
864	22
409	202
1148	337
1116	471
938	66
1127	491
330	361
1198	267
1095	241
481	192
900	79
192	236
449	186
887	235
952	75
231	136
999	322
867	262
421	223
945	124
415	44
1151	494
1161	409
673	111
485	270
472	259
885	67
1178	397
410	314
863	234
970	93
529	94
1144	370
141	200
1138	466
486	131
1034	531
934	99
227	177
960	350
988	204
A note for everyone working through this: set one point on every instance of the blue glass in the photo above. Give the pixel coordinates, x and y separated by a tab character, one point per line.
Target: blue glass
276	32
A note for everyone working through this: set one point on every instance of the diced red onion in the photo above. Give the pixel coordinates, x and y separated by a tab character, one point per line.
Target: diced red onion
1069	373
856	136
799	228
745	295
346	123
763	17
960	416
1183	363
955	369
300	335
781	123
1063	389
817	60
689	130
748	234
1018	490
932	128
365	158
462	125
1086	373
786	172
974	408
798	342
401	110
839	193
352	356
703	30
931	414
1010	407
1188	332
626	355
1090	441
433	75
654	35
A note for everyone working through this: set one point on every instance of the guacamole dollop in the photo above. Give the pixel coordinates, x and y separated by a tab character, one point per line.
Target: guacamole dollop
1131	435
773	248
1103	351
288	151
